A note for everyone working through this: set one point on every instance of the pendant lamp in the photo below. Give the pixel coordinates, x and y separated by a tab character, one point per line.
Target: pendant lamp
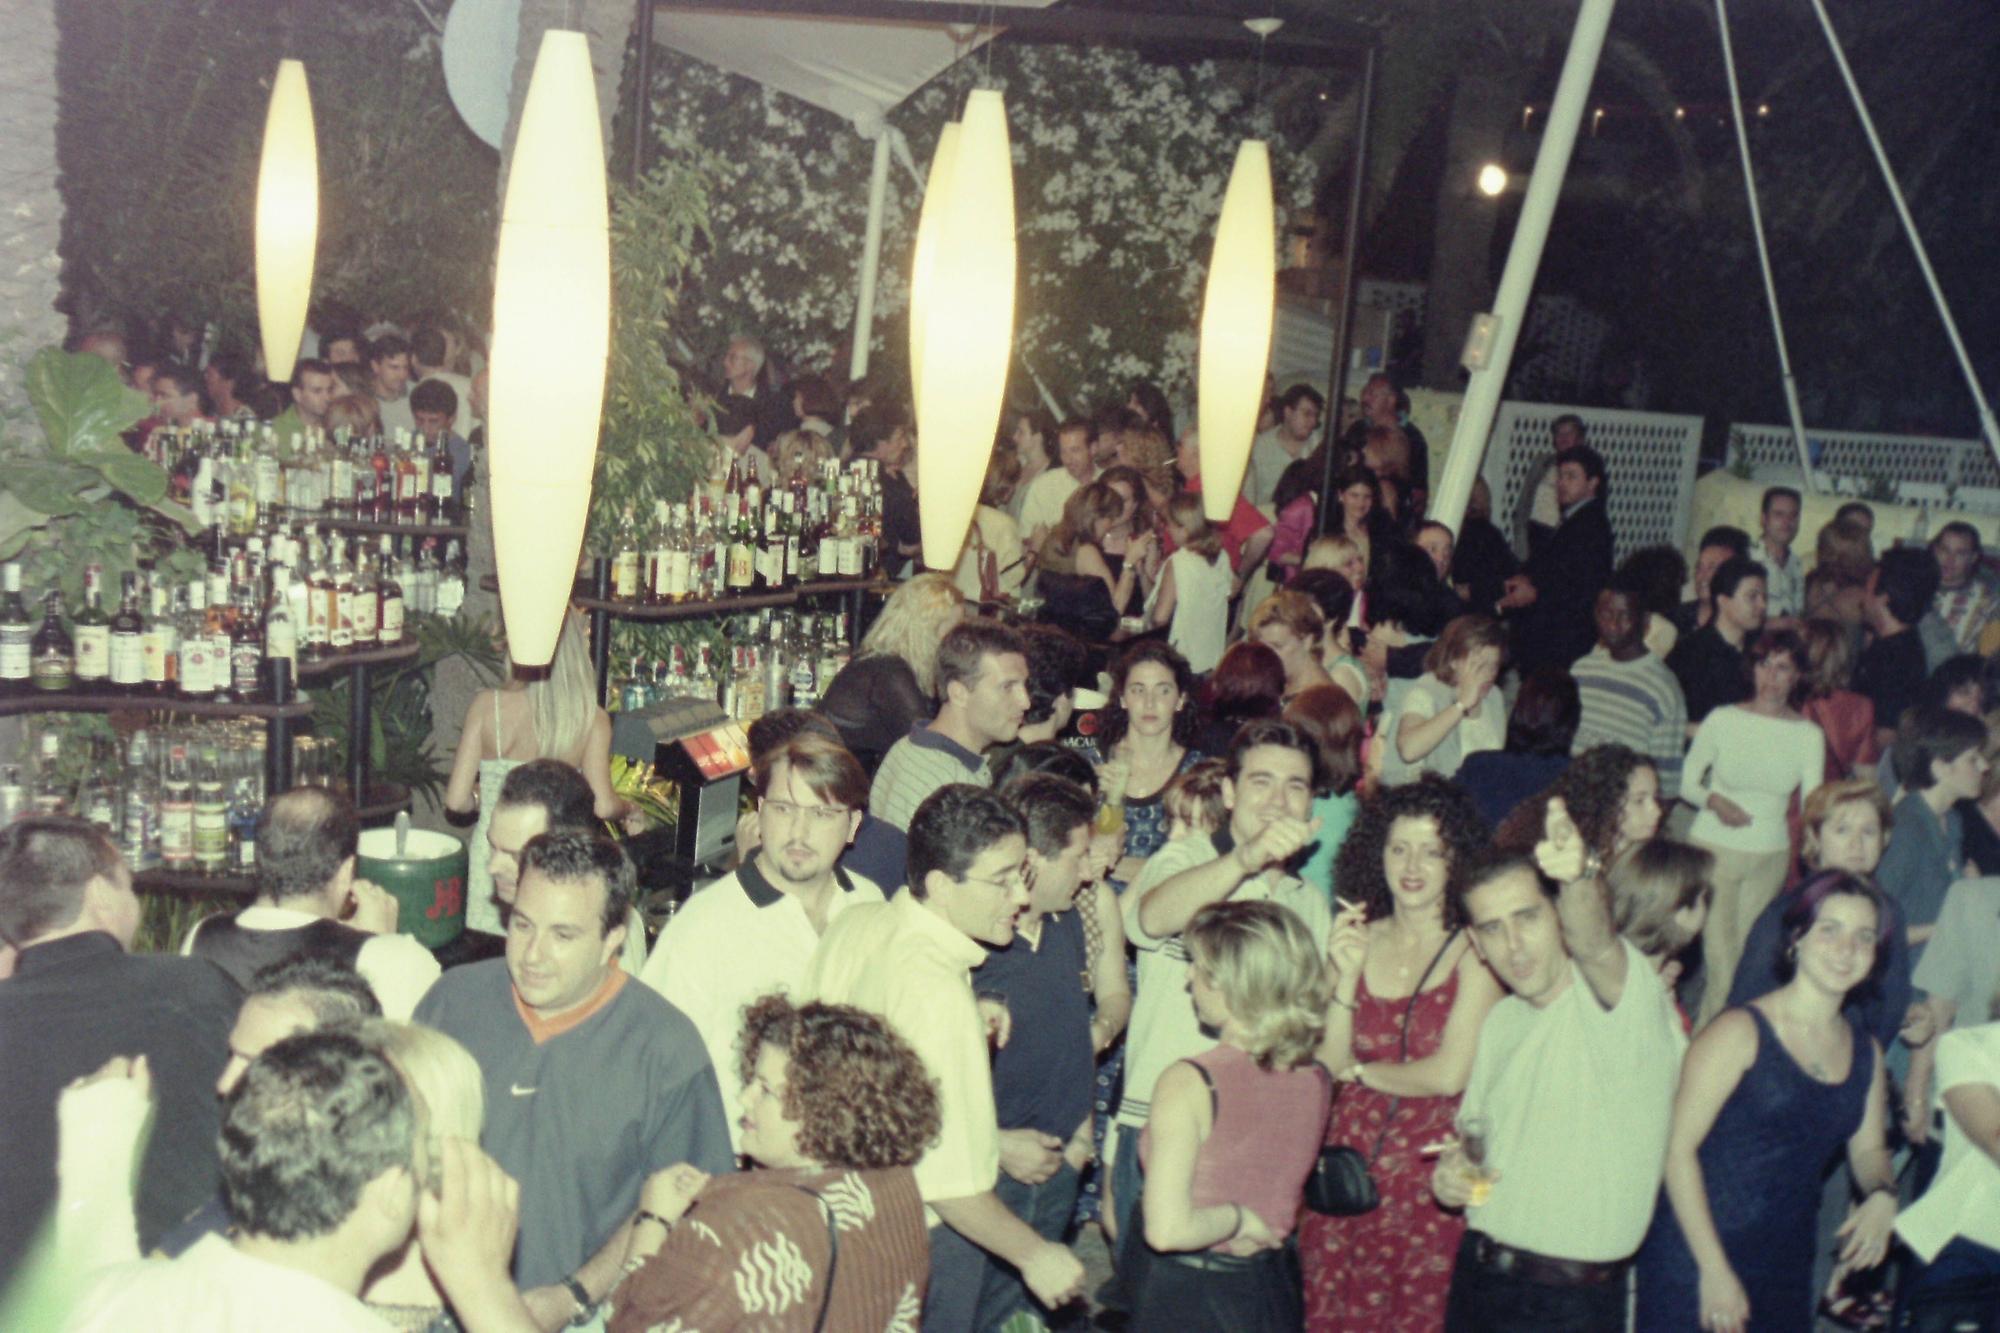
551	338
1237	309
287	219
936	186
965	318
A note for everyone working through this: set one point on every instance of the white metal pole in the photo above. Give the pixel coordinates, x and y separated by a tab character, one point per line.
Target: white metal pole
1786	378
1986	422
871	256
1524	257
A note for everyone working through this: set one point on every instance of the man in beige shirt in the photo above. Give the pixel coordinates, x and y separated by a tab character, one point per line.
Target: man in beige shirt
910	961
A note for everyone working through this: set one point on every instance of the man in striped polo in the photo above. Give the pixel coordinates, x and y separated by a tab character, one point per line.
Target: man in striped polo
1629	696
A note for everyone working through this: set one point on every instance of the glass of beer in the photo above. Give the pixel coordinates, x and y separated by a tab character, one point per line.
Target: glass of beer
1475	1134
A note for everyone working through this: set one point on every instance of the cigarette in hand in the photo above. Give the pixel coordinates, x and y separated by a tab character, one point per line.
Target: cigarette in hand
1437	1149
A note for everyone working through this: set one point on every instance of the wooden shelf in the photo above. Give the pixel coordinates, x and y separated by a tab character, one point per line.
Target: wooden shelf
105	701
393	529
334	663
582	597
189	883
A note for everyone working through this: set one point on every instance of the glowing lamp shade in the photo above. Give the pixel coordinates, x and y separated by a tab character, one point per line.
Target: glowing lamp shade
962	322
936	186
287	219
1237	308
551	337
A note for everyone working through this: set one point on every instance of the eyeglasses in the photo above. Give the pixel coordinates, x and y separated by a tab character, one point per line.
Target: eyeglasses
822	816
1013	883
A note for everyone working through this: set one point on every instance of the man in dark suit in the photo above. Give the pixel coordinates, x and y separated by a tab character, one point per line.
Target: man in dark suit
1550	602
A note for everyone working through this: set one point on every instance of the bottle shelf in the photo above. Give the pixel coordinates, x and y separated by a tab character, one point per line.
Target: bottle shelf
108	701
723	606
334	663
371	527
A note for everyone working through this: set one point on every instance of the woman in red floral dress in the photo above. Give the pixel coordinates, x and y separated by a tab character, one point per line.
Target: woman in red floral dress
1402	963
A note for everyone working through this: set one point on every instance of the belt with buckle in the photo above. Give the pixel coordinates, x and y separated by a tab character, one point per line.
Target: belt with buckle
1541	1269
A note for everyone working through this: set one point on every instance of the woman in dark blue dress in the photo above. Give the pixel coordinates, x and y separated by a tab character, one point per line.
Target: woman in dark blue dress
1769	1092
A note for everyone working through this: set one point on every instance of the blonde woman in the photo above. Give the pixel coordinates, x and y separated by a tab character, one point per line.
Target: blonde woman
1232	1133
1080	591
1348	560
798	453
1290	625
447	1084
1659	901
1191	596
891	685
553	716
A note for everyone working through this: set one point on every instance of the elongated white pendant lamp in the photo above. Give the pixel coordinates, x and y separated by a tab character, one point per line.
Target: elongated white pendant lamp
967	326
936	186
1237	308
551	338
287	219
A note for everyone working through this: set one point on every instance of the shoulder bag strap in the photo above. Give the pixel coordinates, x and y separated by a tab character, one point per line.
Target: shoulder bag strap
1403	1051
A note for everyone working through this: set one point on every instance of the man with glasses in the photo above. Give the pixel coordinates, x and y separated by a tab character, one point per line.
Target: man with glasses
753	932
910	962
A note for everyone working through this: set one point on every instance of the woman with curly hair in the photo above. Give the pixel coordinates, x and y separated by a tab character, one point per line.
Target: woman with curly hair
1233	1132
836	1110
1409	995
1079	589
1612	792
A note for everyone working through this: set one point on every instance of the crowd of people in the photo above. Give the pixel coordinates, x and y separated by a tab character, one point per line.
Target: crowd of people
1384	928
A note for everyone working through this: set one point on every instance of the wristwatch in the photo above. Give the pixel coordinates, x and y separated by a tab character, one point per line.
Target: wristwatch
586	1309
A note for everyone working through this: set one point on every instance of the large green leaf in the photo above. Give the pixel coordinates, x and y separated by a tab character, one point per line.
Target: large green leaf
82	403
141	478
50	486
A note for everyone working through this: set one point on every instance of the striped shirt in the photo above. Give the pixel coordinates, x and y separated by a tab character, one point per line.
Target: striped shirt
1637	704
918	765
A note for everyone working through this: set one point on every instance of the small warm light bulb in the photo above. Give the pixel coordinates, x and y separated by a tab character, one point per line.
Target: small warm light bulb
1492	180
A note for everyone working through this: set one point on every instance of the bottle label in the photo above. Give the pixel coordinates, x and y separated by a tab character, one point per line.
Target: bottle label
128	659
219	649
363	616
281	640
392	620
197	668
211	831
625	575
319	607
155	647
450	595
441	487
177	832
741	570
246	663
93	652
677	567
16	654
340	627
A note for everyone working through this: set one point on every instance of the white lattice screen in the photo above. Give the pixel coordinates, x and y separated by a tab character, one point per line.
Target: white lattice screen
1649	460
1924	459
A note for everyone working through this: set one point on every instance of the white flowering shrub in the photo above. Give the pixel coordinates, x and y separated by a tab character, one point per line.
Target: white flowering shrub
1119	172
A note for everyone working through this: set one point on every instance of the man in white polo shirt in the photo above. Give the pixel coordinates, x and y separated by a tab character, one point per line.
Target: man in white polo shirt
1575	1077
753	932
910	963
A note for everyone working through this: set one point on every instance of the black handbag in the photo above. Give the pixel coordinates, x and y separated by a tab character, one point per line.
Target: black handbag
1342	1181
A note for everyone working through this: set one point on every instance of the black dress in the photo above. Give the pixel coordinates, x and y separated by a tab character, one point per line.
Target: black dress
874	702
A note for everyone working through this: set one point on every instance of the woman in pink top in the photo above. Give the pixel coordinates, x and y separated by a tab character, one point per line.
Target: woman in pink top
1234	1131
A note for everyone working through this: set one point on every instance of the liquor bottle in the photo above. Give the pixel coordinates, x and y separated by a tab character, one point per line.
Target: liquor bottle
795	520
219	620
702	683
658	549
777	669
176	806
678	578
365	606
805	679
242	511
17	632
317	598
422	502
159	644
92	629
362	507
384	497
451	580
625	558
246	649
96	797
138	825
701	553
444	481
210	813
774	533
420	587
128	640
281	628
340	480
52	794
269	482
245	802
340	610
52	656
198	666
388	598
741	571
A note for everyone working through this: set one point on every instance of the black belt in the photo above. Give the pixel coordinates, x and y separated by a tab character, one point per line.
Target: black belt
1215	1261
1542	1269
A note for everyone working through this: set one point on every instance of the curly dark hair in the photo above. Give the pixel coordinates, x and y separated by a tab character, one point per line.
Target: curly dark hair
1161	654
1593	789
1357	870
858	1092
